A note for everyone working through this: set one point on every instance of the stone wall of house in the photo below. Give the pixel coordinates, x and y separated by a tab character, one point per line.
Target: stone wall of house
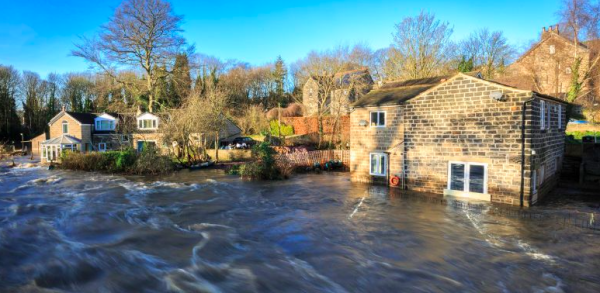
457	121
366	139
36	143
548	145
310	94
550	69
81	132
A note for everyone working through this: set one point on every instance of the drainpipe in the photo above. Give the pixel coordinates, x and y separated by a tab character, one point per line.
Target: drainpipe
523	116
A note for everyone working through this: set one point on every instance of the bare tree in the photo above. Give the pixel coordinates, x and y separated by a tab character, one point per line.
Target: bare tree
581	21
143	34
420	47
489	50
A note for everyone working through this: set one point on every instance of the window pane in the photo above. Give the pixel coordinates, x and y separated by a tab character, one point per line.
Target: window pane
457	177
373	163
381	119
373	118
476	178
381	164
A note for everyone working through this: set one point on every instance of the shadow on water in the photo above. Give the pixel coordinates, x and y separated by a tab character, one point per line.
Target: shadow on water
208	232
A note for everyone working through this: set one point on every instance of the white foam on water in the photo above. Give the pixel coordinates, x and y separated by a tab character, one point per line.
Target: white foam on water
356	208
534	253
306	270
498	243
556	288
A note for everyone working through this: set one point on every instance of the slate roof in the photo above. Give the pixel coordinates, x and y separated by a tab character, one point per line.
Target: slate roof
83	118
395	93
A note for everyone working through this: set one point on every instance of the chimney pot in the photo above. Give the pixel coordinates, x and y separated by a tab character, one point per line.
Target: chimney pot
63	108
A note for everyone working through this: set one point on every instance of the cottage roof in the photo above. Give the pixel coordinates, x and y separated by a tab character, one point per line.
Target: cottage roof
396	93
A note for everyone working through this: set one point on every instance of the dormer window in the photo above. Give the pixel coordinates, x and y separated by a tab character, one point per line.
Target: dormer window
552	50
105	122
105	125
65	127
147	121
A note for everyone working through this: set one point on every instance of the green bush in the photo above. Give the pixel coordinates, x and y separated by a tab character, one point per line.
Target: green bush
578	135
264	165
286	130
148	161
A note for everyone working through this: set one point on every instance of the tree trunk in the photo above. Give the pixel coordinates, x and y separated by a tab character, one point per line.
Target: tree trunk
320	122
217	147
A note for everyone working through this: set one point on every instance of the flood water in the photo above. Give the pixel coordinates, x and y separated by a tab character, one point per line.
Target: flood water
204	231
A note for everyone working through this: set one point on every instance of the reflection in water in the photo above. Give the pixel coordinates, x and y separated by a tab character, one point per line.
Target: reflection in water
207	232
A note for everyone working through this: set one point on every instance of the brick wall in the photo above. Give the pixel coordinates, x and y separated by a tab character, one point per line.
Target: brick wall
310	125
456	121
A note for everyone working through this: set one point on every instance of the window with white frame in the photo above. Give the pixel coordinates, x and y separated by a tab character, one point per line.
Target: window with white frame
542	114
105	125
147	124
559	117
548	115
378	119
378	164
552	49
102	147
65	127
467	177
124	138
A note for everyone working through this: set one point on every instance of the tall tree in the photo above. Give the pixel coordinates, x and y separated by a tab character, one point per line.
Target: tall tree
181	81
33	105
10	126
141	33
421	46
487	50
279	76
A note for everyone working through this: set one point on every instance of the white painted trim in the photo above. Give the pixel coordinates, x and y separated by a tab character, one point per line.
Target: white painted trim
471	195
467	176
385	168
371	119
102	149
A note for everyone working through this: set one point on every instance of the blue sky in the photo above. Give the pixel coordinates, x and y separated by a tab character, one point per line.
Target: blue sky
38	35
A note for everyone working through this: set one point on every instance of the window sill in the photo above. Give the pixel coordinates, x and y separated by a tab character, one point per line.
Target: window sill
471	195
378	175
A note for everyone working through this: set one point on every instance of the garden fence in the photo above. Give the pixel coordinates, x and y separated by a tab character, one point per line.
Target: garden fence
310	158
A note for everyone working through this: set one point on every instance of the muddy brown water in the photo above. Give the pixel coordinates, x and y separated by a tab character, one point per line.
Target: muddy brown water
204	231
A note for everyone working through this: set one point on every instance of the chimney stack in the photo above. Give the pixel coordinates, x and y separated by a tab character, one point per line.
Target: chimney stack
139	110
63	108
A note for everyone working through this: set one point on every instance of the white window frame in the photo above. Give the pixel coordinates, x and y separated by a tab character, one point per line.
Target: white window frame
65	123
100	148
552	49
542	114
467	178
385	167
153	123
378	112
125	138
548	116
111	125
559	110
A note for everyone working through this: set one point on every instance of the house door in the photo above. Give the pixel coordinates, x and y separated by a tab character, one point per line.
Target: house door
142	144
467	177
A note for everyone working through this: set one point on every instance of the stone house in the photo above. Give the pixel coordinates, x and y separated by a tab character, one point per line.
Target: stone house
460	136
547	67
87	132
346	87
